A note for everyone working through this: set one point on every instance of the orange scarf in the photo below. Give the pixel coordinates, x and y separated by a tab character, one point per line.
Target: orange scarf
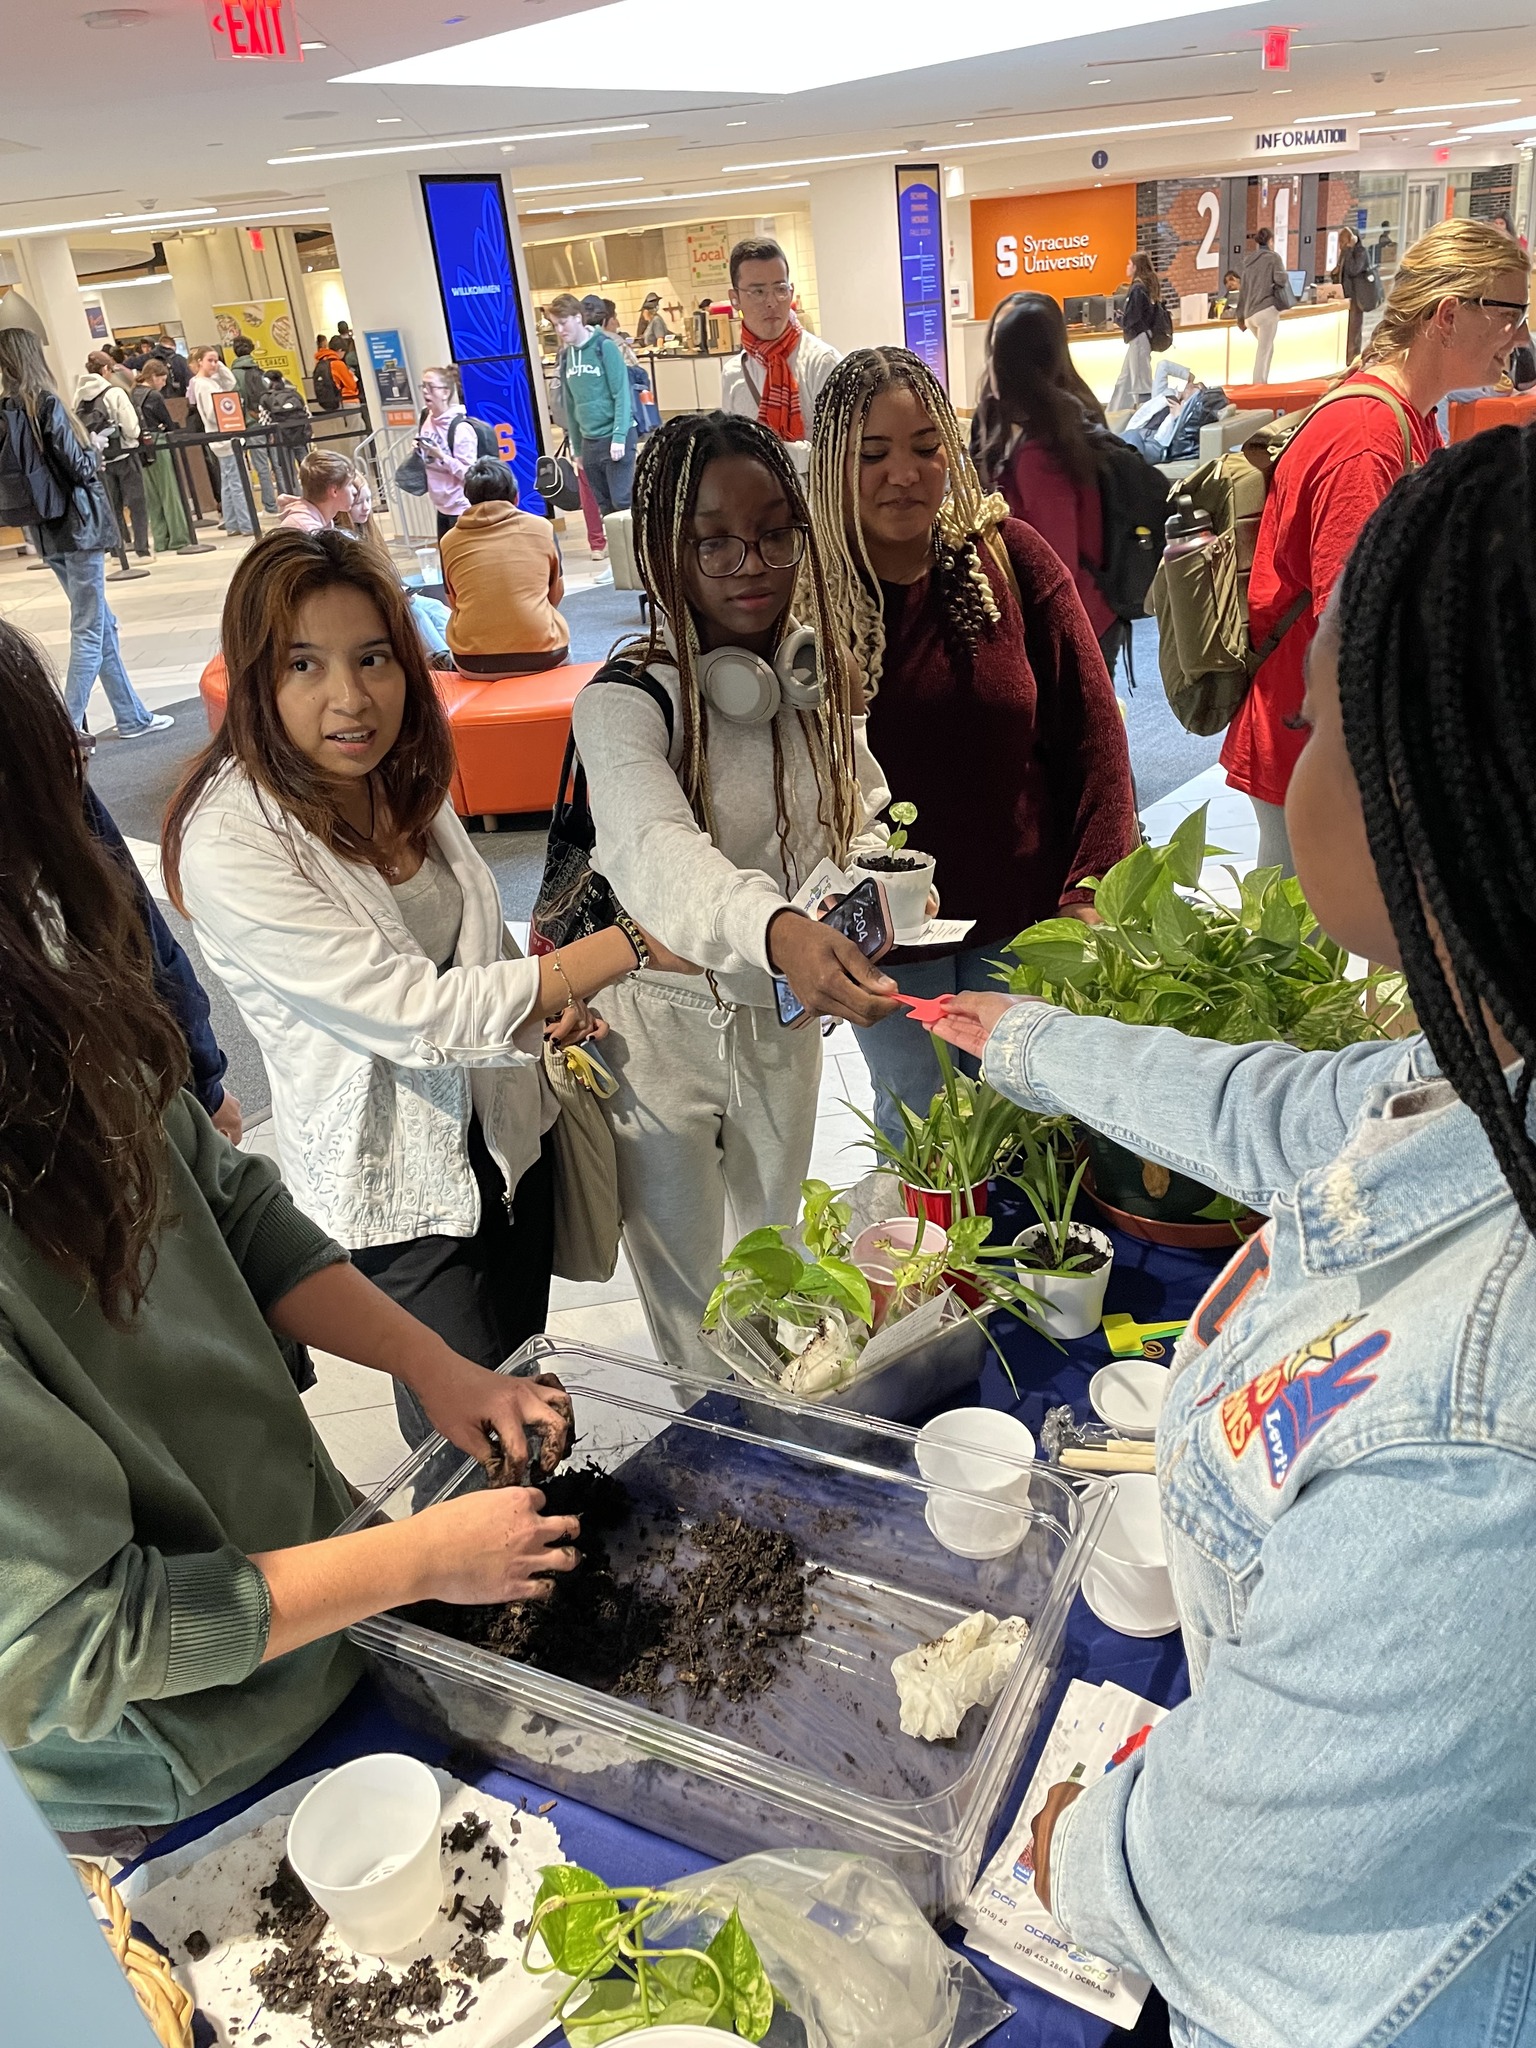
778	409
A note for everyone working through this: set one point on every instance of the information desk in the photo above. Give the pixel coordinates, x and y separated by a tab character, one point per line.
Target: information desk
1309	342
1147	1283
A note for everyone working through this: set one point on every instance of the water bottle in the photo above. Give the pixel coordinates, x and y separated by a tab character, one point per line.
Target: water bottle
1187	529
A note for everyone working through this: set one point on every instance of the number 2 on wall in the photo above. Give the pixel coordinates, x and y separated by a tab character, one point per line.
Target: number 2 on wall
1208	206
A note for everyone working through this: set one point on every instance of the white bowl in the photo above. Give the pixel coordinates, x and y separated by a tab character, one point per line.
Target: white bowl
1129	1395
987	1459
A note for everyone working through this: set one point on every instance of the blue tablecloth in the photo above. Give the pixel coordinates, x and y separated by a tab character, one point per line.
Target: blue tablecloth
1147	1283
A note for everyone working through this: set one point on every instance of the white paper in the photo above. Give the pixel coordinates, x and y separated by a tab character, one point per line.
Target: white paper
1004	1914
940	931
212	1885
939	1682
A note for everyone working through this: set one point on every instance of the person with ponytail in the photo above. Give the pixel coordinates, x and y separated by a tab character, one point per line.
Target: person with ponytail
1331	1841
1456	310
725	760
990	705
173	1598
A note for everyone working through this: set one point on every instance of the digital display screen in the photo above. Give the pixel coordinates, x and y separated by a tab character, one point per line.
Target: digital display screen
920	228
472	249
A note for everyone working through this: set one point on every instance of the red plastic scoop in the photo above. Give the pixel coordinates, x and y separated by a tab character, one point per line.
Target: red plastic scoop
925	1010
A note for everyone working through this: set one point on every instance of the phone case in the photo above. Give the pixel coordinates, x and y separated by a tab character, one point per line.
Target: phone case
863	915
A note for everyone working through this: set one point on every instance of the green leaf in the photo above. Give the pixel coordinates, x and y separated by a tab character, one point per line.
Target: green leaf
1176	927
580	1932
610	2008
1123	890
734	1953
1184	854
775	1265
904	813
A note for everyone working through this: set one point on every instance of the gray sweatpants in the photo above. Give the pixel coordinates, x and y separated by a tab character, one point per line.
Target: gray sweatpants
713	1129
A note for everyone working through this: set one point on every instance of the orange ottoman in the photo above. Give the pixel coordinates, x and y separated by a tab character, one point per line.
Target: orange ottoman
1277	398
511	739
455	691
1471	416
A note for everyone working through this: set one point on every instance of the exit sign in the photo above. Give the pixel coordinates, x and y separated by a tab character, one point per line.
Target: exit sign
1277	49
254	31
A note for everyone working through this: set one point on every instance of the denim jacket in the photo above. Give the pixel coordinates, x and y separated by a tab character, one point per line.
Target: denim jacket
1334	1840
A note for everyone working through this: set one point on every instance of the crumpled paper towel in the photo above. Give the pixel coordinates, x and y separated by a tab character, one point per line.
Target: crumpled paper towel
965	1667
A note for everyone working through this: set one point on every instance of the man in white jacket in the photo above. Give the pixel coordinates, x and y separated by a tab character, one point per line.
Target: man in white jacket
778	376
106	412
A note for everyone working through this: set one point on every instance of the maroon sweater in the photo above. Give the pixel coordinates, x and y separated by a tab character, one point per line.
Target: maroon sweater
1015	757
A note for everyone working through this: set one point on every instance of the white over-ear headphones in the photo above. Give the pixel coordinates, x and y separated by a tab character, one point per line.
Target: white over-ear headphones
749	691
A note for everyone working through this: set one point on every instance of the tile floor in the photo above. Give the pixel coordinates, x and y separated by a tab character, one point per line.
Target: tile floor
168	625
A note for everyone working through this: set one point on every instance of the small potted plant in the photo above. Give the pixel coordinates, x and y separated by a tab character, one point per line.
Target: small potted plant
1067	1264
908	877
1167	951
945	1159
818	1309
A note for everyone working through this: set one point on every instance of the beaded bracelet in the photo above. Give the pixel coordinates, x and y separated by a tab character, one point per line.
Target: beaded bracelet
626	924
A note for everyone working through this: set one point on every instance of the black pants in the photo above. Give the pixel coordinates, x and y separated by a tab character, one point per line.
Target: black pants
125	487
510	664
483	1295
446	522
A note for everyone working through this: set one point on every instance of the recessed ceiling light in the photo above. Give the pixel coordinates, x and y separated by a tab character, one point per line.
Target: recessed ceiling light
965	124
1429	50
1101	81
1282	90
331	156
388	120
1455	106
735	124
1404	127
230	220
692	46
314	46
579	185
100	220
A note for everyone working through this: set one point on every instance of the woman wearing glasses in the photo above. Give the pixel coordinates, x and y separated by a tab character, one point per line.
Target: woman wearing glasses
723	767
777	378
1457	309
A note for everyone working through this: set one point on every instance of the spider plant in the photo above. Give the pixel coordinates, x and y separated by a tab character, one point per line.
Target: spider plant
969	1134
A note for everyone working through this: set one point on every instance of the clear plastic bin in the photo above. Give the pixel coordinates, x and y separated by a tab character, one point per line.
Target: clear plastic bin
819	1759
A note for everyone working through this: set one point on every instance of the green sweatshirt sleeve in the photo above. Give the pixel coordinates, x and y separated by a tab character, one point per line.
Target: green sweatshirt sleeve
273	1243
572	424
90	1620
616	373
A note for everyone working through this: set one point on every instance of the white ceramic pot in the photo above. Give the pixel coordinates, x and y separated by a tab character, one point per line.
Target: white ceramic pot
1071	1304
906	893
1127	1583
979	1463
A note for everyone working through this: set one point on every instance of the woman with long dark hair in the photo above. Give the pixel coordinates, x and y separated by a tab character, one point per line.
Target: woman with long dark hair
990	704
1332	1839
1032	422
172	1606
725	764
73	529
1134	384
341	902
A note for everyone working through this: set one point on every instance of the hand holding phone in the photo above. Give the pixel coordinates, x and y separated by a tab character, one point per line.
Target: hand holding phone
822	965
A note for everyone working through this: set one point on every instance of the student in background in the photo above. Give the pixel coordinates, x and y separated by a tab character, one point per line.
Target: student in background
334	380
599	400
167	514
653	330
251	384
778	378
1133	386
502	570
107	413
446	442
334	494
1352	274
209	376
1264	297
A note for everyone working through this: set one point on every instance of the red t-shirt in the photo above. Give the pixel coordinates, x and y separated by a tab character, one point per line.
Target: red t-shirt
1067	515
1325	489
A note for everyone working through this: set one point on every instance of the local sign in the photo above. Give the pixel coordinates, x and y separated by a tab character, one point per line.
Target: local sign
254	31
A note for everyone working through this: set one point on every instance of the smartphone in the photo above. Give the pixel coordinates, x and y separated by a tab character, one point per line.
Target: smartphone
864	916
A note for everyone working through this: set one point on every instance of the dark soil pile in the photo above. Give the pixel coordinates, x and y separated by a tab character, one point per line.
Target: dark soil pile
890	863
711	1608
1080	1246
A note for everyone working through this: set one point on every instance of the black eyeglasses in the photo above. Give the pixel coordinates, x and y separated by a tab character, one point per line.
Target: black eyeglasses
723	554
1521	307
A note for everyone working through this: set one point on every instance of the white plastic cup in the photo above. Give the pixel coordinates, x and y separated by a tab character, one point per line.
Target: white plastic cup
364	1843
1129	1563
880	1248
987	1455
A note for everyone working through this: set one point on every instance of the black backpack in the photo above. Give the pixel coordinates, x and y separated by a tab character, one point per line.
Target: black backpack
96	419
285	408
485	435
1133	500
20	460
1161	337
327	396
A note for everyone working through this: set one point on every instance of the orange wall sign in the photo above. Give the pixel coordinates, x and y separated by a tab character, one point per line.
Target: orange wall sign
1065	244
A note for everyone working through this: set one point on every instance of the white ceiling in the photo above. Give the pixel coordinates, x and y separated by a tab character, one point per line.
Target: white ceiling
93	122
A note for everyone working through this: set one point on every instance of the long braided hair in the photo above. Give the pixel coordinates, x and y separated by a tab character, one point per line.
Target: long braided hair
667	478
966	524
1437	683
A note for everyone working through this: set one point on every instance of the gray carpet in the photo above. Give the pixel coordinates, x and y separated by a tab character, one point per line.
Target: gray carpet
136	779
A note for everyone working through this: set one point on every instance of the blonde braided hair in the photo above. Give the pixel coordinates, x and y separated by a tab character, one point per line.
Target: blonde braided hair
967	521
666	488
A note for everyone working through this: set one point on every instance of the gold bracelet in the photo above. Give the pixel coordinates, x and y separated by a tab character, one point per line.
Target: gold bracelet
571	995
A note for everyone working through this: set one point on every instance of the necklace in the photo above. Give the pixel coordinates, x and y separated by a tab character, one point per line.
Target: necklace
390	869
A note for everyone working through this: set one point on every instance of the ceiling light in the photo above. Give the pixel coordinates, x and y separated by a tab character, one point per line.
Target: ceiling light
735	124
229	220
1101	81
680	198
314	46
116	17
1326	120
388	120
331	156
965	124
1518	125
122	284
678	46
1404	127
1455	106
1282	90
580	185
68	227
794	163
1429	50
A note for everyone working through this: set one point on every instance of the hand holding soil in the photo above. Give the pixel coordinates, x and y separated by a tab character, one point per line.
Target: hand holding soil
495	1546
490	1416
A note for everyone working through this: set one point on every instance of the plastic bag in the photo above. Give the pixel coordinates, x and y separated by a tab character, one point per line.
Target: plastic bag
843	1942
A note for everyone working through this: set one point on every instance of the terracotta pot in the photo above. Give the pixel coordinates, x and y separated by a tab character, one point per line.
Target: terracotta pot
940	1208
1148	1199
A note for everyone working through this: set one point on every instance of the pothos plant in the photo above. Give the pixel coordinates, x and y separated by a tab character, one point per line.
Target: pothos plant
762	1275
1166	951
595	1933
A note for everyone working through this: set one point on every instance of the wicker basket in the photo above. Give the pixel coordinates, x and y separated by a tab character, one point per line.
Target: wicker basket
164	2003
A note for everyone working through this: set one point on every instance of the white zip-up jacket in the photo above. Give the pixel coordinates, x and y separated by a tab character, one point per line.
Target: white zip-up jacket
375	1058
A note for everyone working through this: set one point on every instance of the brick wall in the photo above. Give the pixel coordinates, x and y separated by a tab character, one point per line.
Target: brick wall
1170	226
